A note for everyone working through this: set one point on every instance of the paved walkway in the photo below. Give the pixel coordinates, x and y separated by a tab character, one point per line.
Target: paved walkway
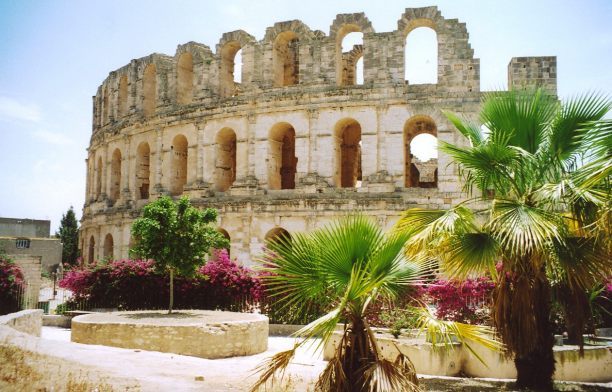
162	371
170	372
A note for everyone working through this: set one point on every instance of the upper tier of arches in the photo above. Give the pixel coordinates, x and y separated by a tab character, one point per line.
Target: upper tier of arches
289	55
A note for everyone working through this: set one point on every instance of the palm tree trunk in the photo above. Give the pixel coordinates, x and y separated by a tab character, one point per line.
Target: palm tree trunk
171	291
536	366
357	353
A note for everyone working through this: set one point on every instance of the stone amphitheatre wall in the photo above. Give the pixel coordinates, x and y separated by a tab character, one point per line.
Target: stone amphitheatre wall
294	145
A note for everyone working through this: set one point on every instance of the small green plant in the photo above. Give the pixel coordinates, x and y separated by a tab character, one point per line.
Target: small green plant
398	319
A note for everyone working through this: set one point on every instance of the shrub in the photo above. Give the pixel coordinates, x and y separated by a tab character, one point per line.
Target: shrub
11	285
466	301
135	284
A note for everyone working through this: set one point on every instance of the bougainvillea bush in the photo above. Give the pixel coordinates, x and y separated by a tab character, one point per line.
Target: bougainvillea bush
11	285
465	301
134	284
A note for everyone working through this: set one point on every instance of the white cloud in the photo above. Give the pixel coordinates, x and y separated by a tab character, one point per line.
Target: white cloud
11	109
57	139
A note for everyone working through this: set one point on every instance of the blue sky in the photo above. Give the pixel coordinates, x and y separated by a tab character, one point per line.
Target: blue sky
54	54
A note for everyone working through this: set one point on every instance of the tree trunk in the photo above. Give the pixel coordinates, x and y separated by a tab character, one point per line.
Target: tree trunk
535	367
358	353
171	291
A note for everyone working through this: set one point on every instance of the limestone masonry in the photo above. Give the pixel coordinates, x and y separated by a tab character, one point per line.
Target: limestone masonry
296	144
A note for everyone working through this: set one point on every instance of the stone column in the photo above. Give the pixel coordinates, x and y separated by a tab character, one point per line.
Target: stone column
158	188
126	179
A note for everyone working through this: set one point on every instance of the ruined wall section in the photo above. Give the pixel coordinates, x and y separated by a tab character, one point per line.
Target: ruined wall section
317	64
533	72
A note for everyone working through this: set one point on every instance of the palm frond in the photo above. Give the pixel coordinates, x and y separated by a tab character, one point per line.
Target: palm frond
574	122
426	227
584	262
383	375
322	328
471	131
269	368
518	118
441	333
471	253
487	166
521	229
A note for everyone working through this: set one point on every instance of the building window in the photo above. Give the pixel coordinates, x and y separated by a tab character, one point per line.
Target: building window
22	243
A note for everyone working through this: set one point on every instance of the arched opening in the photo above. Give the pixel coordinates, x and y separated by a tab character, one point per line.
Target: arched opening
282	162
184	85
91	250
421	152
349	52
149	90
108	247
143	171
421	54
276	234
225	234
348	153
179	165
123	96
231	69
115	186
285	60
225	164
105	106
99	172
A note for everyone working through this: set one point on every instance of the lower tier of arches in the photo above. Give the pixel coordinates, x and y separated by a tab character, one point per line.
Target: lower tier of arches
249	222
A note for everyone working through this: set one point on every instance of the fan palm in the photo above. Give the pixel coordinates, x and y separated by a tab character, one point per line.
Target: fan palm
537	216
350	264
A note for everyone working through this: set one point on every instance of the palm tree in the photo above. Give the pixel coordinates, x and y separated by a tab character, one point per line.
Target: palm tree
537	216
350	265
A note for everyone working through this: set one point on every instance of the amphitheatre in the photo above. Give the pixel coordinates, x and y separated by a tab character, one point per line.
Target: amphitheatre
296	144
281	135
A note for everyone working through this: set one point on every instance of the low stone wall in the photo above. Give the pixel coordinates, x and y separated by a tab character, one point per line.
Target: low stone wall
283	329
595	366
26	321
205	334
56	320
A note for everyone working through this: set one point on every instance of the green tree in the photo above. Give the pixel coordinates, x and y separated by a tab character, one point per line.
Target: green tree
537	216
68	233
177	236
350	265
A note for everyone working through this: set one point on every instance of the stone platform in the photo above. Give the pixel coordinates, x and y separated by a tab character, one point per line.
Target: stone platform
199	333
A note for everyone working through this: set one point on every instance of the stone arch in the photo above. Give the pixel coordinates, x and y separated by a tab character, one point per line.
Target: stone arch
109	246
178	177
149	90
347	133
99	172
417	71
277	233
122	107
359	21
115	185
184	79
225	234
227	86
282	162
143	170
230	44
414	126
91	250
225	163
343	25
348	61
286	59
